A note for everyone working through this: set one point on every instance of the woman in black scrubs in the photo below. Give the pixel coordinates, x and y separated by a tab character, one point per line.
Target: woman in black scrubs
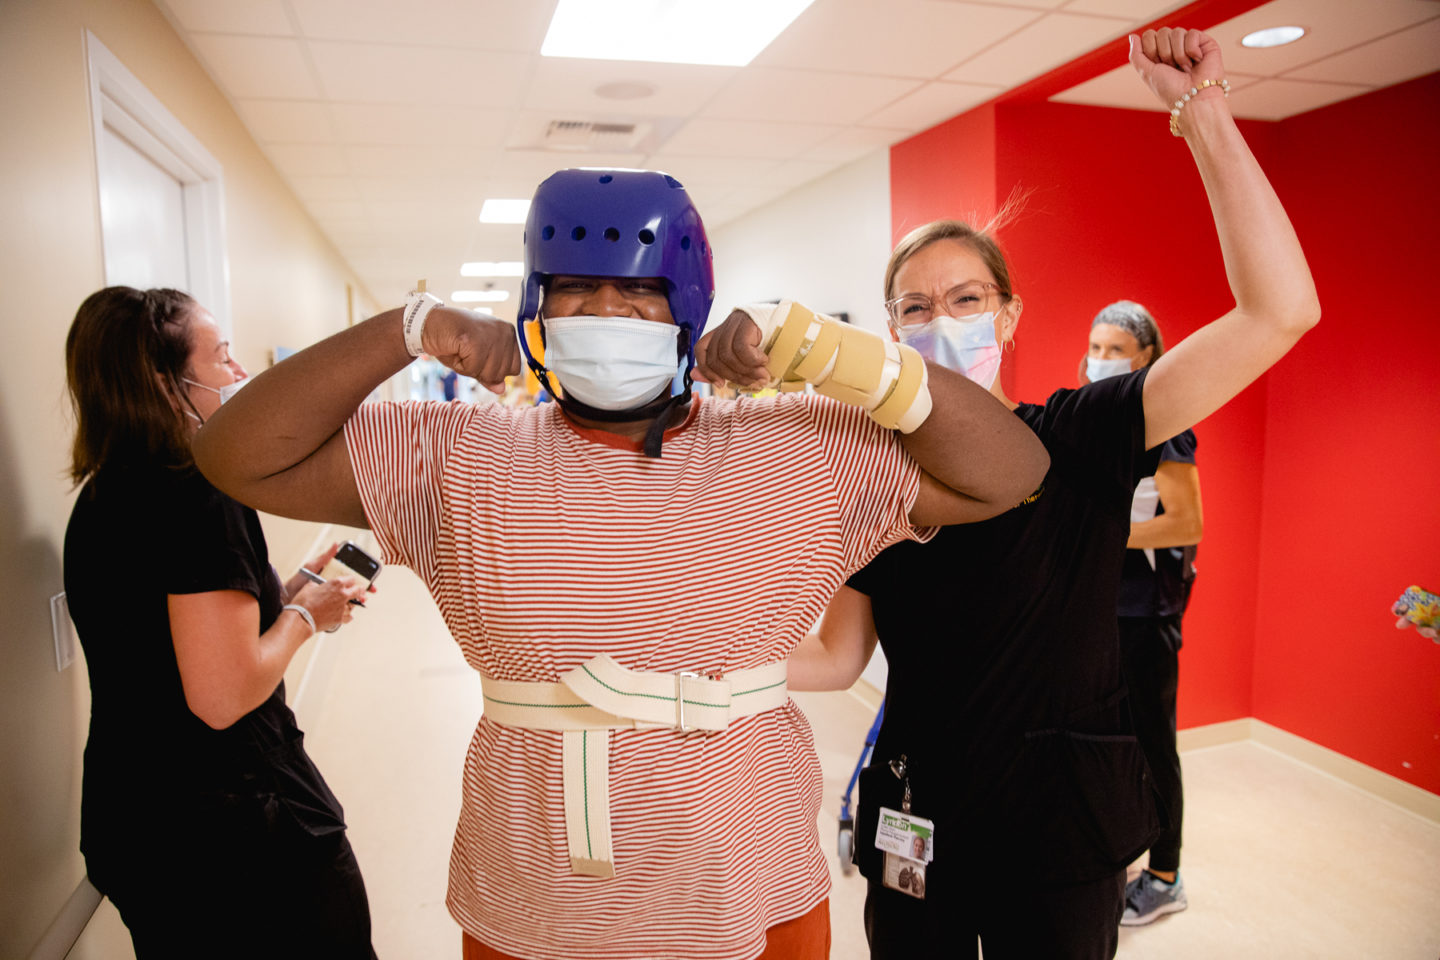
202	817
1007	729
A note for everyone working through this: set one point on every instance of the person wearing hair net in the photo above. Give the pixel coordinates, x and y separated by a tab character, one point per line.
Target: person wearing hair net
1166	523
1007	735
628	568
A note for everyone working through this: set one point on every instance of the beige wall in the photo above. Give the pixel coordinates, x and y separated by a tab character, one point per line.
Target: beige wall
287	286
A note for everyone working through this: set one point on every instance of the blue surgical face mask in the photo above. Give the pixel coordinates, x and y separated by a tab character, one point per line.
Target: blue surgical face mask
1097	369
967	345
611	363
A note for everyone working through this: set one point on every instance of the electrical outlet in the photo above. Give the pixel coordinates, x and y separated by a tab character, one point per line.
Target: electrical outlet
63	629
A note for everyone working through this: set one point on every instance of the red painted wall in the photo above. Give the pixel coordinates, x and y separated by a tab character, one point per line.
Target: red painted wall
1352	455
1116	210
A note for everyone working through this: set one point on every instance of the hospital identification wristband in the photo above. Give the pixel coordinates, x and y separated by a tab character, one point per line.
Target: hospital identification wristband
305	615
417	307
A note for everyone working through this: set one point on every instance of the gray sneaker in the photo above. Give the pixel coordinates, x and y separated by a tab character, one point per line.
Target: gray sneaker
1148	898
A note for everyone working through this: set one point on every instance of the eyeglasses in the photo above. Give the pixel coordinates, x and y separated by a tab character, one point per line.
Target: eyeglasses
962	301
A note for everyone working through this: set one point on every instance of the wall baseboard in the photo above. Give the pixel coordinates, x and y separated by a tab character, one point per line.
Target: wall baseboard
1422	803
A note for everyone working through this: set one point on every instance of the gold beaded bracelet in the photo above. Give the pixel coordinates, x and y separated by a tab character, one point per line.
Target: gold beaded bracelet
1222	83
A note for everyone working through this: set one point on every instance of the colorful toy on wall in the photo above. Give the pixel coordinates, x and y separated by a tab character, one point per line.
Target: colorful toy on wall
1421	608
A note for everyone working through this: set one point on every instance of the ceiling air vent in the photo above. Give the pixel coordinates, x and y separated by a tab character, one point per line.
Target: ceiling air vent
587	135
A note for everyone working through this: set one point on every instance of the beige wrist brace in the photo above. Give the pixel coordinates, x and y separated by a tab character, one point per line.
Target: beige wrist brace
843	362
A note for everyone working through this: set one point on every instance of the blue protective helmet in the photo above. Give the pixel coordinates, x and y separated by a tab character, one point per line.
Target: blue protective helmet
597	222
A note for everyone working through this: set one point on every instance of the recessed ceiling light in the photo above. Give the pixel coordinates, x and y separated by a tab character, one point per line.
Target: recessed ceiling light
668	31
479	296
504	211
624	90
482	268
1272	37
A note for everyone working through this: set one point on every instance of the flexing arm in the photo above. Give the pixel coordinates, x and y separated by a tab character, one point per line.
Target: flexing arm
979	458
279	446
1182	523
834	657
1275	301
227	666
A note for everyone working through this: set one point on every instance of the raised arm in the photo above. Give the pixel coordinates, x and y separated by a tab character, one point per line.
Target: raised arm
279	446
1275	301
979	459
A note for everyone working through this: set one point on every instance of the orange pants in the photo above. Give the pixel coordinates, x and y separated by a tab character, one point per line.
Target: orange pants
806	937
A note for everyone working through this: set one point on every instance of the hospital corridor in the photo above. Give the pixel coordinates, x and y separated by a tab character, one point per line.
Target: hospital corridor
457	456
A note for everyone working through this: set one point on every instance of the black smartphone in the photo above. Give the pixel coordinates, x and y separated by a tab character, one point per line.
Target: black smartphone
350	560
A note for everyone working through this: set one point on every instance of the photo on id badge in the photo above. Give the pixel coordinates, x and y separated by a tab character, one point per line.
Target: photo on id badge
908	843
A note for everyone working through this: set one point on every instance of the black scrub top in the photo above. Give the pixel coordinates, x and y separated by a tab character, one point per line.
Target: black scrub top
1162	590
1005	692
157	778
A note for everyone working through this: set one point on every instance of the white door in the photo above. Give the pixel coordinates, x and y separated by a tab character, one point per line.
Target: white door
142	218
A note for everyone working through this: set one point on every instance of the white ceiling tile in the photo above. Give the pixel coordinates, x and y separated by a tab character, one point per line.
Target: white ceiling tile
702	171
308	159
287	121
1122	88
1278	99
310	189
1401	56
257	67
514	25
931	104
896	38
377	73
562	84
1333	25
394	123
740	138
533	166
406	161
852	143
409	189
262	17
1137	11
338	210
1047	43
764	93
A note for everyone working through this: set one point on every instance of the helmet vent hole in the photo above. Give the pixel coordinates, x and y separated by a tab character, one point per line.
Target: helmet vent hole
647	237
577	234
547	233
684	243
674	184
612	234
606	178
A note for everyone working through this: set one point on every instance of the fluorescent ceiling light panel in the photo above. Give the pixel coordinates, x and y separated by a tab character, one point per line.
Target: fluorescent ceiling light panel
727	34
482	268
504	211
479	296
1272	37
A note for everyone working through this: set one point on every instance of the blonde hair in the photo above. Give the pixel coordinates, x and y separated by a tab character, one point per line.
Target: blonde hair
982	241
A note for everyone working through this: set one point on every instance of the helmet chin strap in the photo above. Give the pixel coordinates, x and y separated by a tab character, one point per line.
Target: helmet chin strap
656	410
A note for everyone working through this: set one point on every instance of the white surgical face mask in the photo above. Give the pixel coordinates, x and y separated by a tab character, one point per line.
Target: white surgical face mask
1097	369
226	392
967	345
611	363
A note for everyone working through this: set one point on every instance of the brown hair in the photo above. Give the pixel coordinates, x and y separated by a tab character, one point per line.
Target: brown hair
981	241
125	357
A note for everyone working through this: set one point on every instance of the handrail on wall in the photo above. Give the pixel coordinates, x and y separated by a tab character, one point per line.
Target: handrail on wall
68	924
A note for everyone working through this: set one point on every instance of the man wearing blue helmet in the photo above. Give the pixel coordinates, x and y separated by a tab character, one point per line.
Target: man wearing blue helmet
629	570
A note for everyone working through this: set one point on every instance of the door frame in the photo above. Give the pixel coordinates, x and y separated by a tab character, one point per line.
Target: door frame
119	99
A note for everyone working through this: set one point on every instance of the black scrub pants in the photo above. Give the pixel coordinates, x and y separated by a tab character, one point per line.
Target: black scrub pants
1015	919
1149	654
288	895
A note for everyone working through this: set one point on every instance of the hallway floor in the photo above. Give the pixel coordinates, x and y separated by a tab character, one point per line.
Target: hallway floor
1281	861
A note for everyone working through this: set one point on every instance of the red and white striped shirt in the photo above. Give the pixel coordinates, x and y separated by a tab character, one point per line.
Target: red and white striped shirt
546	544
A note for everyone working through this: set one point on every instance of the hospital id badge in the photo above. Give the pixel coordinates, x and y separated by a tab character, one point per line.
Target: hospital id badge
908	843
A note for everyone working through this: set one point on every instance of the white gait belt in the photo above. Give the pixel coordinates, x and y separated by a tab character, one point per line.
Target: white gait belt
599	696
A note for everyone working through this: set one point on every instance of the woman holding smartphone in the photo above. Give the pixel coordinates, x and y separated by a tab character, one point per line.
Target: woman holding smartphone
202	817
